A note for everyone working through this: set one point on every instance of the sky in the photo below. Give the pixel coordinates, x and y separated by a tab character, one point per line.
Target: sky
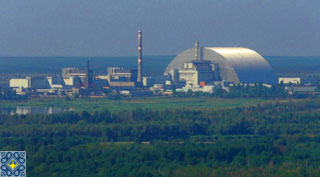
109	27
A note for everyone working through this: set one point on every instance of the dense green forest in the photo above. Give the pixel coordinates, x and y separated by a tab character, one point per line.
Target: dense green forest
257	91
276	139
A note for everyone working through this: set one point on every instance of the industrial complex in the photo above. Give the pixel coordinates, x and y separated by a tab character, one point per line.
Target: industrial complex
198	69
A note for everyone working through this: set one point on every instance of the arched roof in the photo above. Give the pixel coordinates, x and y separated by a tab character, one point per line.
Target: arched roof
236	64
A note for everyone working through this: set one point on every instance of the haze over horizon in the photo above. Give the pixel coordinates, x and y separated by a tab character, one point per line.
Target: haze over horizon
109	28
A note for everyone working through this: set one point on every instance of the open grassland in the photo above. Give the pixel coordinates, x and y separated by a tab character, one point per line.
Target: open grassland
156	103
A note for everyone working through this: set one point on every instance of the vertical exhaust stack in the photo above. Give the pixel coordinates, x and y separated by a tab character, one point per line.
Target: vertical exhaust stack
139	79
196	51
87	75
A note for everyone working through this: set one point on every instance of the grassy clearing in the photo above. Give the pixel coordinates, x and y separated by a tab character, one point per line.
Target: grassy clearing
158	103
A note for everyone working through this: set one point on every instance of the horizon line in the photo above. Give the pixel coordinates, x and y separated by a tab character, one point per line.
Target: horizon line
77	56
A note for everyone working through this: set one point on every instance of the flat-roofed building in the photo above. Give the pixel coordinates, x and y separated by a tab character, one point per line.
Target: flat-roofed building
301	89
19	83
119	77
30	82
55	82
73	72
74	77
288	80
76	82
120	74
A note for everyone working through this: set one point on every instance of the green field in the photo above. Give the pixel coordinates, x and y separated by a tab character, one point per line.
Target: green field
156	103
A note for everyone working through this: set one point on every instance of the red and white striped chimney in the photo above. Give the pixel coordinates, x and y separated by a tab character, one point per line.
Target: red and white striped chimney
139	79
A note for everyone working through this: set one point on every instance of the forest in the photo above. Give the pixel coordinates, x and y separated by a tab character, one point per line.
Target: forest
275	139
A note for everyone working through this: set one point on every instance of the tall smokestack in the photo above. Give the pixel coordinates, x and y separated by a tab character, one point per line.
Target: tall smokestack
196	50
87	75
139	79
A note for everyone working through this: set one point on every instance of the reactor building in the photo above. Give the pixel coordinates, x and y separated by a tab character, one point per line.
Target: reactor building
204	65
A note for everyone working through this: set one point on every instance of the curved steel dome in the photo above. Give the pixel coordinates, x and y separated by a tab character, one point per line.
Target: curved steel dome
236	64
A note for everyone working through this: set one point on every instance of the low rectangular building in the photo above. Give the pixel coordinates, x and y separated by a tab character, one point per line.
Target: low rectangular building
19	83
288	80
301	89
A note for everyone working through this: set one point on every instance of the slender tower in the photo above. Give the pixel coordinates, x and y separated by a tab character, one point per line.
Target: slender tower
87	75
139	79
196	50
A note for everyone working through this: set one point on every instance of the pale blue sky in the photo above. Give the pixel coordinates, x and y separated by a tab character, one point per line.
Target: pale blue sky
109	27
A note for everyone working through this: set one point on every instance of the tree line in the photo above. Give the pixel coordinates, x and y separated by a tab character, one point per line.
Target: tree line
279	139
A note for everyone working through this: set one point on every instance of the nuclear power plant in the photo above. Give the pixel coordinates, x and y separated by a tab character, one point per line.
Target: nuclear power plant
75	79
198	69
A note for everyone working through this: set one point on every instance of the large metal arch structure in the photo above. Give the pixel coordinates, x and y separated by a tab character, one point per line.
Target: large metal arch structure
236	64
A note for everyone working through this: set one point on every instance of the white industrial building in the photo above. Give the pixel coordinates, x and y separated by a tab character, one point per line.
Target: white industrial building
288	80
76	82
73	72
38	84
73	77
55	82
195	72
205	89
20	83
30	83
